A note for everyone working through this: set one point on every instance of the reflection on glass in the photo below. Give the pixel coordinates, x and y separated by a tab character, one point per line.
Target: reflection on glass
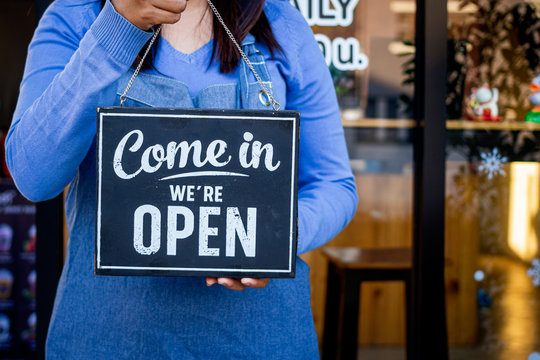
523	203
366	55
493	177
493	168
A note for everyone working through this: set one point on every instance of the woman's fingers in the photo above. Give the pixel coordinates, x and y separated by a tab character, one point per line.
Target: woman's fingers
146	13
255	283
231	284
238	284
163	16
174	6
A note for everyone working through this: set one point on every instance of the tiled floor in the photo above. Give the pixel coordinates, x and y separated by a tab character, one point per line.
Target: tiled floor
381	353
509	327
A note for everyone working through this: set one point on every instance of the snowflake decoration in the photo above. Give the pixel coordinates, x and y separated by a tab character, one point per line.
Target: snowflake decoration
534	272
492	163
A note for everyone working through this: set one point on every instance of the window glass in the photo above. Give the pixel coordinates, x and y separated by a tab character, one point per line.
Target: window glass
371	58
493	180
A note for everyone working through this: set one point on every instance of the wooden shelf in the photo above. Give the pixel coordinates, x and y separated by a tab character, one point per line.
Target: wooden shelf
450	124
380	123
486	125
354	257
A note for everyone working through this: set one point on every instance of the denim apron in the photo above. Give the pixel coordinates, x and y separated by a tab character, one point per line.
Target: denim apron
158	91
165	317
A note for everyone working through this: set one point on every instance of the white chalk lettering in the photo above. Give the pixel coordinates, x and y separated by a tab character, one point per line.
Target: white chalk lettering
205	231
235	226
158	155
218	194
178	193
257	150
180	225
212	193
184	153
185	149
118	153
208	193
173	234
191	193
155	229
214	152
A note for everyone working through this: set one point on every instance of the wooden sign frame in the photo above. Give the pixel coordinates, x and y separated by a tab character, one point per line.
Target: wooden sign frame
238	177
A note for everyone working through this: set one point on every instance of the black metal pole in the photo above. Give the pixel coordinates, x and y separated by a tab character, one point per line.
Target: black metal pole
429	336
49	249
41	6
49	259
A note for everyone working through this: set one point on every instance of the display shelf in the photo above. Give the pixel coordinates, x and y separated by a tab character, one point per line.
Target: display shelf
379	123
487	125
450	124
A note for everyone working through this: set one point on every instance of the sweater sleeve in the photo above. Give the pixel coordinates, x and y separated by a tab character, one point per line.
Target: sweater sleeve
327	194
72	64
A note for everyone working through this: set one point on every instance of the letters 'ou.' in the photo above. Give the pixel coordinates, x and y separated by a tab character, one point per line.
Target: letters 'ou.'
196	192
344	53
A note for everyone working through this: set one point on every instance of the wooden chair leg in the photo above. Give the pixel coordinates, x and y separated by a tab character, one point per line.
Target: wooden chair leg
332	313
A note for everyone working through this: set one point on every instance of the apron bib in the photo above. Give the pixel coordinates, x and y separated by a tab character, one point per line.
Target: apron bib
162	92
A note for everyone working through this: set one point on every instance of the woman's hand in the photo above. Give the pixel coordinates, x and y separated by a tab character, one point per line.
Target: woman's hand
146	13
238	284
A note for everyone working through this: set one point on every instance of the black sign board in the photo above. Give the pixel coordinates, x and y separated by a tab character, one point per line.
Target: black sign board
196	192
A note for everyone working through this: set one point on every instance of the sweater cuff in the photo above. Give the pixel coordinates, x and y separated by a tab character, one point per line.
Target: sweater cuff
118	36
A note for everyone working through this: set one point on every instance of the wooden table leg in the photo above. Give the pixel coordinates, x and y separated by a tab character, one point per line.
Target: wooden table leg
408	319
332	312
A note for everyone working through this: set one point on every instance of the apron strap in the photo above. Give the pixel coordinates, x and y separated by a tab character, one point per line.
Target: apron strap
246	78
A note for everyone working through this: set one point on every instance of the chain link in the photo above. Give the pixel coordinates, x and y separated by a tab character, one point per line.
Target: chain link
139	66
275	104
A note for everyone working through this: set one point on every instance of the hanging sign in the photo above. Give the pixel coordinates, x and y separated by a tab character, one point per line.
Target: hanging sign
196	192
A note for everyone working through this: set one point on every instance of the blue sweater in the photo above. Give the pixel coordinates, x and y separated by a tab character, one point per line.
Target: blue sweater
75	59
76	55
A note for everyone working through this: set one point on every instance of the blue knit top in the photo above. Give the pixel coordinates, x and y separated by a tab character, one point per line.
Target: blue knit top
76	57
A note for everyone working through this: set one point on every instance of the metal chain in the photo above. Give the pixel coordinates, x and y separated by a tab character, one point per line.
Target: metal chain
139	66
275	104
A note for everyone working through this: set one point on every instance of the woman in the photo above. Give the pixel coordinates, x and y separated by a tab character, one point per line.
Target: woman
80	58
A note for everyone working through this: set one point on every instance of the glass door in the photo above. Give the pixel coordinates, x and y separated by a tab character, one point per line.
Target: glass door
370	55
493	180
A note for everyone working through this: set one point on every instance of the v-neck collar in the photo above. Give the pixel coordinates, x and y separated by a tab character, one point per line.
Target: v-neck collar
165	52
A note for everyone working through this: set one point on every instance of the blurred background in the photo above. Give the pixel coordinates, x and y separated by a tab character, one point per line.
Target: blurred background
492	180
492	218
